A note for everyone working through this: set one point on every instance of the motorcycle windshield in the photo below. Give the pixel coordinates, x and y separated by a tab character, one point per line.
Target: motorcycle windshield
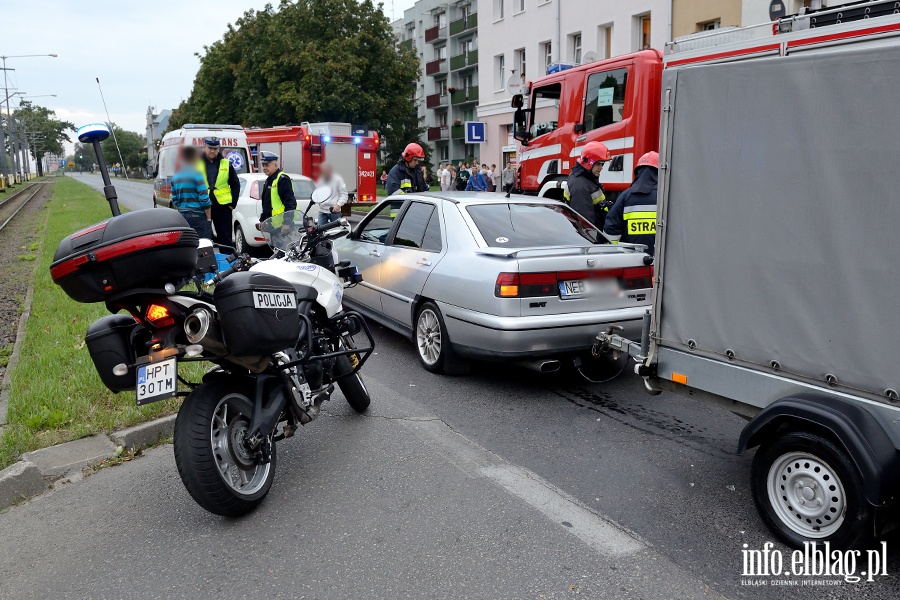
284	230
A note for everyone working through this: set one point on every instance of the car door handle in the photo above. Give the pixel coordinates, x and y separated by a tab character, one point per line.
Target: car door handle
423	262
374	253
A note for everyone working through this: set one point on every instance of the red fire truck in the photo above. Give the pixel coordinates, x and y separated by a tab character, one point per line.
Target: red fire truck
614	101
304	147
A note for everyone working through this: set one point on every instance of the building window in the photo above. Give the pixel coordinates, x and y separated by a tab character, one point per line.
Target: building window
445	152
605	99
576	48
548	55
498	9
709	25
520	6
442	87
644	32
501	72
440	53
605	41
520	61
442	20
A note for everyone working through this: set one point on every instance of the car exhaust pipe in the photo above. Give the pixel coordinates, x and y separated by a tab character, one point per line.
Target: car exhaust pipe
541	365
202	328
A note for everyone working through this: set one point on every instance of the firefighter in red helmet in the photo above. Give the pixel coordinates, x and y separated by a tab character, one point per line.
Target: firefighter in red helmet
633	217
406	177
584	193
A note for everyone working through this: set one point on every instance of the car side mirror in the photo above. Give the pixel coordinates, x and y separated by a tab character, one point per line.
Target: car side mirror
520	127
579	128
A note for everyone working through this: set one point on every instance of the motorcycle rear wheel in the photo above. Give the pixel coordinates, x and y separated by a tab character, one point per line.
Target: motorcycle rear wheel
217	469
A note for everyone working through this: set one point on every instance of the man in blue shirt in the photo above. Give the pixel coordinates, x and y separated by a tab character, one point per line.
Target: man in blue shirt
190	194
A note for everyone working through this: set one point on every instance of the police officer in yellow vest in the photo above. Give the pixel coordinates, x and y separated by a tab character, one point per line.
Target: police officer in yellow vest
278	191
224	189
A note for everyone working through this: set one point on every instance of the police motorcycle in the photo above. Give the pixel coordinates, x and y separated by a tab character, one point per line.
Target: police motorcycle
274	330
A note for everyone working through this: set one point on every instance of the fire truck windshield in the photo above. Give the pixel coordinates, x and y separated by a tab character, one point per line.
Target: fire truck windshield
545	109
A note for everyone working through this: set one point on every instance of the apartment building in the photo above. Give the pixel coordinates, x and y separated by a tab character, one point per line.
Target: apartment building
444	35
524	38
694	16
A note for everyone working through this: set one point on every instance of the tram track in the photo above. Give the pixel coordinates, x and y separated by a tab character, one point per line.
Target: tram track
11	206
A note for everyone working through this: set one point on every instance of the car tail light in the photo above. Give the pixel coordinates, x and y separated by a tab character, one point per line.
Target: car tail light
507	285
159	316
637	278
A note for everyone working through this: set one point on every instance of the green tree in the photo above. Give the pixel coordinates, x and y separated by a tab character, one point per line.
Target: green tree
131	145
45	132
308	60
83	157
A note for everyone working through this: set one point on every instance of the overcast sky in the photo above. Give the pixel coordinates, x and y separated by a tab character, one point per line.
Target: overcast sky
143	52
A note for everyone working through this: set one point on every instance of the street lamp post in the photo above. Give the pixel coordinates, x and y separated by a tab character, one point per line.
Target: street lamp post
3	166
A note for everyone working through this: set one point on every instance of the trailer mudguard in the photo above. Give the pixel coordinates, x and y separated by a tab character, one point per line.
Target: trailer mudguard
857	430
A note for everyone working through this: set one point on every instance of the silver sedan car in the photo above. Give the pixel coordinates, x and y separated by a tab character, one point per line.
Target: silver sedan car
476	276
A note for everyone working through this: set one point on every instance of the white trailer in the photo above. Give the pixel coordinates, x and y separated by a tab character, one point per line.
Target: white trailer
776	269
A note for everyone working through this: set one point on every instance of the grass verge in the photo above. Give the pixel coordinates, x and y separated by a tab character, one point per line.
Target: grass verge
55	393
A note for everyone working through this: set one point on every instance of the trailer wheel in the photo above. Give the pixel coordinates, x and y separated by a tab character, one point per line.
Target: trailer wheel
807	489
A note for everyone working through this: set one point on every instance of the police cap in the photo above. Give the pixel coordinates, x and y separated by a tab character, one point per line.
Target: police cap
212	142
267	157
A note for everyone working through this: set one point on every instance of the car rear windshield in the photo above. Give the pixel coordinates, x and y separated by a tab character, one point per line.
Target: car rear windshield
303	189
532	225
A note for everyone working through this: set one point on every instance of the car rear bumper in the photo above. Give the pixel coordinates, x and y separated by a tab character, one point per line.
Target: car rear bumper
483	336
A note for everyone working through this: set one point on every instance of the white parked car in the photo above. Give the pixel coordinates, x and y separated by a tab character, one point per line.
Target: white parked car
249	207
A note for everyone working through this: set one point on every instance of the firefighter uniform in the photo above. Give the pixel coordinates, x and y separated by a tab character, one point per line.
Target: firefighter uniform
224	189
406	177
585	195
632	218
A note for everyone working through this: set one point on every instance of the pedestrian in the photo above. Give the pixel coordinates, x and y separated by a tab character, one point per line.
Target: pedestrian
446	178
277	195
406	177
632	218
584	193
330	209
426	176
384	179
494	175
477	182
462	177
508	178
190	194
224	189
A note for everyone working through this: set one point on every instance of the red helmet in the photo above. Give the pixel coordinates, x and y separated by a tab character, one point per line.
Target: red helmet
413	151
593	152
651	159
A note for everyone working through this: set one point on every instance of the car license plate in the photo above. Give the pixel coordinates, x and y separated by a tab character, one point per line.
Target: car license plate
157	381
582	288
574	288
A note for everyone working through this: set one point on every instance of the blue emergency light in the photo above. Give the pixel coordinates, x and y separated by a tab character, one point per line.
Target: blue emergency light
326	139
357	140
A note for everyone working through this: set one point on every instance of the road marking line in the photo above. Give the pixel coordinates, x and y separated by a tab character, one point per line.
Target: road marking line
601	535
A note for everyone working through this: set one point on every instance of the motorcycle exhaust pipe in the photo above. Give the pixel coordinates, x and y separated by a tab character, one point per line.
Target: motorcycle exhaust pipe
202	328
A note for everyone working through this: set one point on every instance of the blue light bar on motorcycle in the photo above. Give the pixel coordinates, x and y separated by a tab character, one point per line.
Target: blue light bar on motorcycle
95	131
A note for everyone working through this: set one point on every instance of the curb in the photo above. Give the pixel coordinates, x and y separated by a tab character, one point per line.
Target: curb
36	470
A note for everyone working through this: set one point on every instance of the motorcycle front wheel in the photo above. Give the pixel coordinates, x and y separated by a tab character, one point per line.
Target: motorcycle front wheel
220	473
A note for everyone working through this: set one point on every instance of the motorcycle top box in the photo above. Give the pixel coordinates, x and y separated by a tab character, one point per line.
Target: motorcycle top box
142	249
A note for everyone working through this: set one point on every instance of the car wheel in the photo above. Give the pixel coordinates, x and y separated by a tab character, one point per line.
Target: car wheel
240	242
807	489
433	344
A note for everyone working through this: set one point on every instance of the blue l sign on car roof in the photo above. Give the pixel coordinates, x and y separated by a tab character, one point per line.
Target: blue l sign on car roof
474	132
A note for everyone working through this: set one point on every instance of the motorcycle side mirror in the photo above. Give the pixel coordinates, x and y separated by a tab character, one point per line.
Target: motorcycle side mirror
321	194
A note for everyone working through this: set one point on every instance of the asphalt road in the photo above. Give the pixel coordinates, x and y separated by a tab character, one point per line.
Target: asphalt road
501	484
133	195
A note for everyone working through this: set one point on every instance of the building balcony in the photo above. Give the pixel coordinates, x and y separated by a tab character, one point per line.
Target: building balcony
435	34
436	67
464	95
464	61
436	100
465	24
436	134
406	44
458	132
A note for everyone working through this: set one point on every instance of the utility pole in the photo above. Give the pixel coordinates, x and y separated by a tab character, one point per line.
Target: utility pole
12	135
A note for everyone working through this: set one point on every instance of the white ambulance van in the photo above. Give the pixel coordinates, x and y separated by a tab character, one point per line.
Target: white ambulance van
233	142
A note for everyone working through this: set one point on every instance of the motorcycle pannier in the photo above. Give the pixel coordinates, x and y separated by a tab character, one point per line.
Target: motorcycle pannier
258	314
109	341
142	249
